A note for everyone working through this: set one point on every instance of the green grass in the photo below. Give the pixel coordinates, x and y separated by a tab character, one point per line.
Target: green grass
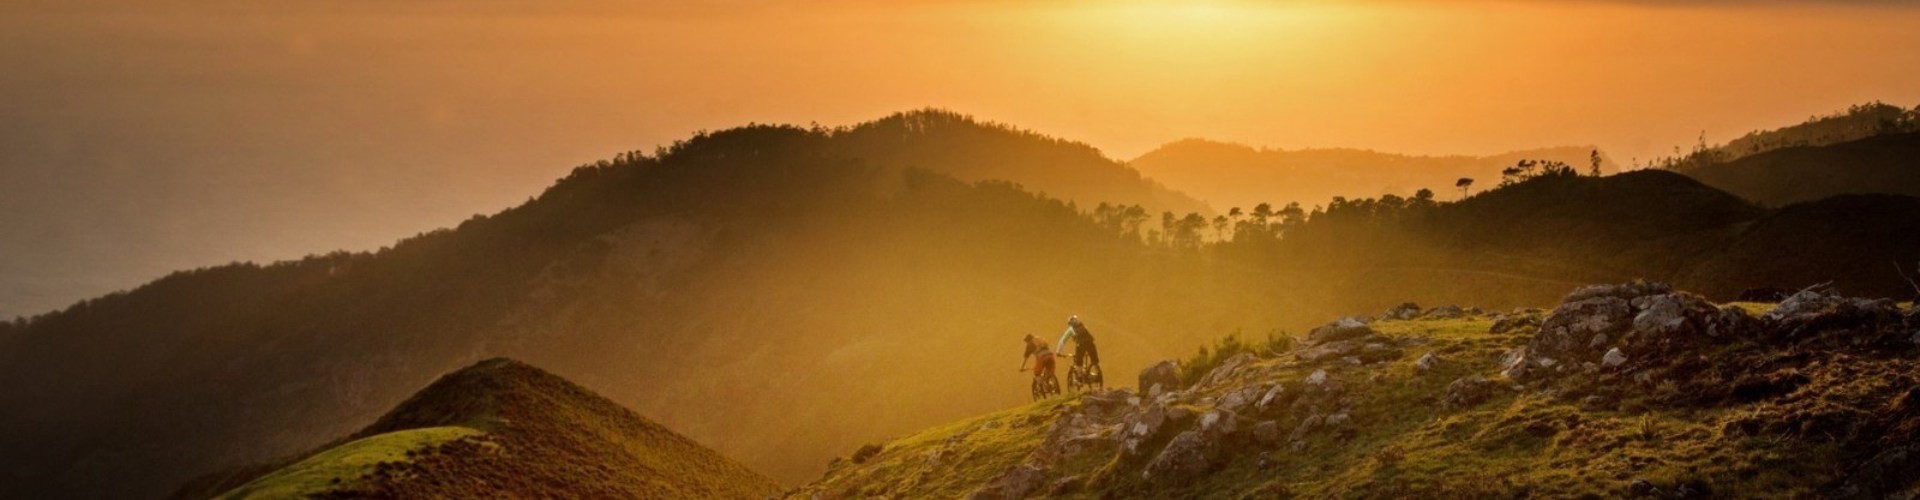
1532	440
343	464
948	461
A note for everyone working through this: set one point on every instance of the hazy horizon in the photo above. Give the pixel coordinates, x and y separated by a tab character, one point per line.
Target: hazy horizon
142	138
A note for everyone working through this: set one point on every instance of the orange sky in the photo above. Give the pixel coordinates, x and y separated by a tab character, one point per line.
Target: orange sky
141	137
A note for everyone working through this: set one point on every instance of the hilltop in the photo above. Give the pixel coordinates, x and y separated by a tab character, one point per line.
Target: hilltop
499	428
707	285
1237	175
1632	390
1886	164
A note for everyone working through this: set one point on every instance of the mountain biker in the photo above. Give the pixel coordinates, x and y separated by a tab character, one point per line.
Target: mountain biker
1042	357
1083	349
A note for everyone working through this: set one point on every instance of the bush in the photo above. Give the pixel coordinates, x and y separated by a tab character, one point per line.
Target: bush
1206	360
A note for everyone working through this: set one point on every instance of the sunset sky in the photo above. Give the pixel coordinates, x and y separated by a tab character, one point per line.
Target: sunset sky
138	138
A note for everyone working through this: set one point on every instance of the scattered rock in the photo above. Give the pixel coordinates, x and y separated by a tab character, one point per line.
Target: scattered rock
1427	362
1572	326
1613	358
1219	422
1142	427
1275	399
1162	376
1187	457
1467	391
1404	311
1318	377
1444	312
1346	328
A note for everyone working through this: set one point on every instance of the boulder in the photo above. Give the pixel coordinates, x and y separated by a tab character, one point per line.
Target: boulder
1662	315
1404	311
1307	425
1317	378
1241	398
1162	376
1467	391
1571	327
1444	312
1187	457
1427	362
1813	314
1275	398
1219	422
1346	328
1613	358
1141	428
1014	483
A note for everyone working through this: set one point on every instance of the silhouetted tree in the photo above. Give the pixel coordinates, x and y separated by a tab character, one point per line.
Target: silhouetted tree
1463	184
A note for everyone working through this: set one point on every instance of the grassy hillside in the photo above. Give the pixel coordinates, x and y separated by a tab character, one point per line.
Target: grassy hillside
502	428
740	286
1887	164
781	293
1469	405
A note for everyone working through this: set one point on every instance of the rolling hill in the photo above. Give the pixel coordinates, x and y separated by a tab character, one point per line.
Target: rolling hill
784	293
1235	175
500	428
741	287
1879	164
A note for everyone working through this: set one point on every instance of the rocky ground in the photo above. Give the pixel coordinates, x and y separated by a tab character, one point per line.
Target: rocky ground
1631	390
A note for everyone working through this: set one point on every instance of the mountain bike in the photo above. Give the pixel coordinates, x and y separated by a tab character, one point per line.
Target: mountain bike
1045	386
1085	376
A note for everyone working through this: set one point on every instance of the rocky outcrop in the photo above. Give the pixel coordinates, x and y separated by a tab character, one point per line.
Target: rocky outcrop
1161	377
1189	456
1642	324
1403	312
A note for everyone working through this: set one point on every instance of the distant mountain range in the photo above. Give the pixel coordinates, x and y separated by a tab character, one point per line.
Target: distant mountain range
784	294
1235	175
